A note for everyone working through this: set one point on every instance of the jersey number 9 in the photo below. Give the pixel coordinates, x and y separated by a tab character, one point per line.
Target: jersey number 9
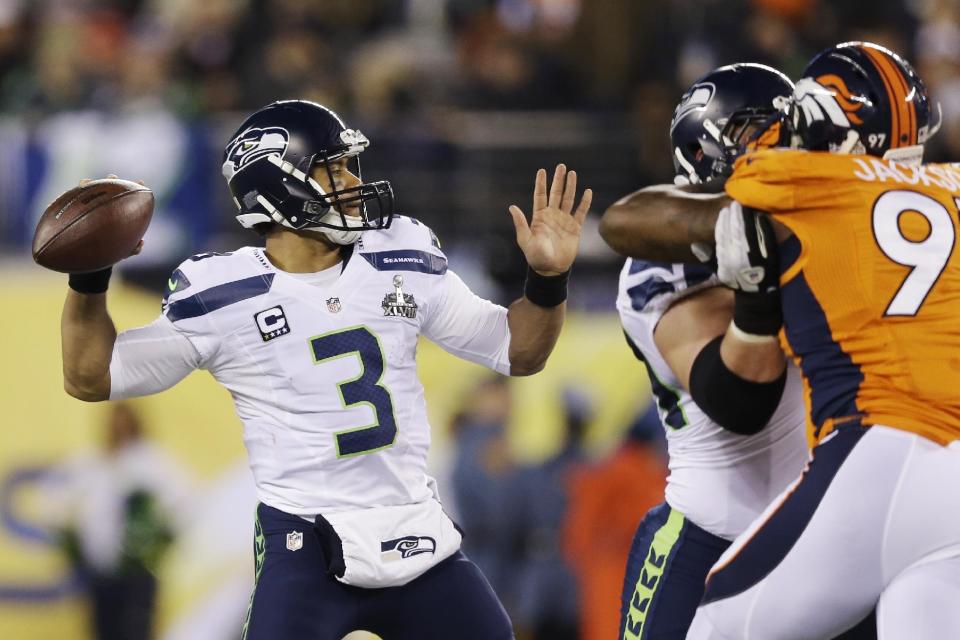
927	257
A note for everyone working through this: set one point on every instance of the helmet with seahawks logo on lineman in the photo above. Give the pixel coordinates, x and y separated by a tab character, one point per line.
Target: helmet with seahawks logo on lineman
268	164
721	113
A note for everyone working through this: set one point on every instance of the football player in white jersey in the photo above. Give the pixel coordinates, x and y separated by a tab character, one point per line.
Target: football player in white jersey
731	407
315	337
735	431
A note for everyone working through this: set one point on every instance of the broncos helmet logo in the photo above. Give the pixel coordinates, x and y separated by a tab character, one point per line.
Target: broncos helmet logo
253	144
816	102
844	97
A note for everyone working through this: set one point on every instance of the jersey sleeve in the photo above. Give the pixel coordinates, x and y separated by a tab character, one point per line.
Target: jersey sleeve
781	181
648	289
759	181
155	357
191	293
468	326
150	359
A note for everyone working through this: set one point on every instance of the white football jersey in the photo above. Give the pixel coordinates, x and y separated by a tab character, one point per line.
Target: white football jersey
720	480
323	373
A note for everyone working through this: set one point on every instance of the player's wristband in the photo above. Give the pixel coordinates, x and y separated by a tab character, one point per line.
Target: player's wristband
546	291
758	314
93	282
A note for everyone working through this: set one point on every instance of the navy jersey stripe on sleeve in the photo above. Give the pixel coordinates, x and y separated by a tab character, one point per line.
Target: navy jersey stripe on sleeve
656	283
641	294
407	260
663	279
219	296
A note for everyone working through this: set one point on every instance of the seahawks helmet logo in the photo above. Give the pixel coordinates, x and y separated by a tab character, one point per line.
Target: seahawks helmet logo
253	144
407	547
697	98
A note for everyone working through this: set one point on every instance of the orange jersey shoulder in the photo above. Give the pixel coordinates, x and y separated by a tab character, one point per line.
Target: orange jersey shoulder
872	294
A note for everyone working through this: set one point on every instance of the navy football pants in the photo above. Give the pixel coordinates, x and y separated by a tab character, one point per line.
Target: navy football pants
666	570
295	598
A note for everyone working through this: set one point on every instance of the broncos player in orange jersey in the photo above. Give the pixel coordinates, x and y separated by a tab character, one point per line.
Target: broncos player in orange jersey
870	287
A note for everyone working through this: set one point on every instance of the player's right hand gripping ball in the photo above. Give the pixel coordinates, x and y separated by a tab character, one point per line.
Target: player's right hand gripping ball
93	226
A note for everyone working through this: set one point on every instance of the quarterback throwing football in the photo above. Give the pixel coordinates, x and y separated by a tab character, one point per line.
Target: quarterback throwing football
315	338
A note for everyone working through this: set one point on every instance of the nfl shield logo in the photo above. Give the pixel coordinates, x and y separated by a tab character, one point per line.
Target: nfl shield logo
294	540
333	305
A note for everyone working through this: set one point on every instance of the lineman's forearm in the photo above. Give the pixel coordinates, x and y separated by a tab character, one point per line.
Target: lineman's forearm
87	339
661	222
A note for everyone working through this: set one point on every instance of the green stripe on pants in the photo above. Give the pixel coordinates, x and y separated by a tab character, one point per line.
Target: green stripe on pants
259	547
650	574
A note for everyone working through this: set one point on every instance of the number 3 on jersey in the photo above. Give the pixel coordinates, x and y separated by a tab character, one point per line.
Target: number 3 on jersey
928	257
364	389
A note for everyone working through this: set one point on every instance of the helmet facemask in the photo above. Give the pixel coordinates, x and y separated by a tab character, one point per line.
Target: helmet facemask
744	130
330	211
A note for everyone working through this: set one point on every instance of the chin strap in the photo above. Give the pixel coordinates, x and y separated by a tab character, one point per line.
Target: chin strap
340	236
691	177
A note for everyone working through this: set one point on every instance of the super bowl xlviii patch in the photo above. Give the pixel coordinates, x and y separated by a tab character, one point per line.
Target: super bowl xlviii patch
406	547
272	323
398	303
333	305
295	540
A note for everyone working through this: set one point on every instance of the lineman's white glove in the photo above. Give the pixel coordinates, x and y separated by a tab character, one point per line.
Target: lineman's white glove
747	261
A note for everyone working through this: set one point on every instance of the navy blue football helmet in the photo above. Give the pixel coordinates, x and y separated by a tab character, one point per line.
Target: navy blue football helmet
721	113
268	163
858	97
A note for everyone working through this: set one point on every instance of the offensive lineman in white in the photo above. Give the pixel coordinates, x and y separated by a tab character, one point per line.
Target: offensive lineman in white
732	409
315	337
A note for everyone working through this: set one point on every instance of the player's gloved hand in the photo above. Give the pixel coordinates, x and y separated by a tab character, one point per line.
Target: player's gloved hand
748	263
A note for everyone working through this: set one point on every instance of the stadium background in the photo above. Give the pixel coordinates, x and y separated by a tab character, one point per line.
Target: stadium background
463	100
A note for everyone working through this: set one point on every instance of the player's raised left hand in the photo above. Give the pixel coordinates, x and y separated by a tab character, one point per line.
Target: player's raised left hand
551	238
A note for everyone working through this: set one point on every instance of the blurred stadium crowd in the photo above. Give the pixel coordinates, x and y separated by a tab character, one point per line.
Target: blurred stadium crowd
463	99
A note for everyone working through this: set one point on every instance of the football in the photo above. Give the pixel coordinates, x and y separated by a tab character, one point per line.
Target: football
92	226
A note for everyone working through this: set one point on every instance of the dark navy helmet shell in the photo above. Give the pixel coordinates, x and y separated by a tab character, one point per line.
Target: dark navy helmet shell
268	164
858	97
720	113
